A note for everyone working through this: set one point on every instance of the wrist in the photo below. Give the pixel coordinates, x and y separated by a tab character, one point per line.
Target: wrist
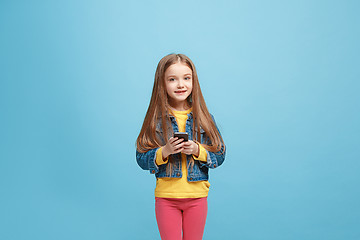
165	154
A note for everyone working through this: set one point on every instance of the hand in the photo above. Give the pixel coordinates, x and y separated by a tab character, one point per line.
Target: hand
174	145
191	147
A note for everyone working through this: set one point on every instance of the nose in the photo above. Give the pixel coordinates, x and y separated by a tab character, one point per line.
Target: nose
180	84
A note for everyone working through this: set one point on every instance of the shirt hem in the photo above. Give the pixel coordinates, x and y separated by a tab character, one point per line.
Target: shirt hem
181	195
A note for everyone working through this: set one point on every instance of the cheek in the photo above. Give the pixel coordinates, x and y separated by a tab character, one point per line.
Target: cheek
169	88
168	91
189	86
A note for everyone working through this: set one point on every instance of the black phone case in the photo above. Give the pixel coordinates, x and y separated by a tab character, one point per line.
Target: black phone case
182	135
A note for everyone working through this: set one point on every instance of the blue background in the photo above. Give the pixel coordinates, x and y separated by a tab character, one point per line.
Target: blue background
280	77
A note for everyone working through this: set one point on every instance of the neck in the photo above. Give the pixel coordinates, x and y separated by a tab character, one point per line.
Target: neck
180	106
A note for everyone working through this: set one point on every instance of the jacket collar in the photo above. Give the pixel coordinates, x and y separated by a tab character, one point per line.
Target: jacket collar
190	115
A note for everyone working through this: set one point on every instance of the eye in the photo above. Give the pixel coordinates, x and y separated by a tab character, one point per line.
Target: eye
171	79
187	78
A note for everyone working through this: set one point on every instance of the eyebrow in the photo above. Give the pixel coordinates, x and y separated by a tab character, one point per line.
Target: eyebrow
172	75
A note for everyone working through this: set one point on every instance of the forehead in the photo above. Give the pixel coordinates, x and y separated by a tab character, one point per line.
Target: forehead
178	69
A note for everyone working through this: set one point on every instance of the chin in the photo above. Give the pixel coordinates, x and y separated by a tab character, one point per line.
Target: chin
182	99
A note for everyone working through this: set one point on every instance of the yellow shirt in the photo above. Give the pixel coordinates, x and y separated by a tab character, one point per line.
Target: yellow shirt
180	187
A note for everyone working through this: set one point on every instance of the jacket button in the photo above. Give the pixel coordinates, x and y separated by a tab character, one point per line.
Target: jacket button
153	171
178	174
214	165
191	178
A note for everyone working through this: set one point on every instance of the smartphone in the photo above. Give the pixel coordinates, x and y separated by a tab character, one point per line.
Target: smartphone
183	135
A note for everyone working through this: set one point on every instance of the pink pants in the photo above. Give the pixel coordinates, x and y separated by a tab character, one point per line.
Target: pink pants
181	215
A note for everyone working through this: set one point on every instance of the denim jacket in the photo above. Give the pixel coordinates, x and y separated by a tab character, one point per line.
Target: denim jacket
200	169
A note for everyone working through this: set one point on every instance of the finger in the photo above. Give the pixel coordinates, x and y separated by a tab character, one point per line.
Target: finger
178	141
179	145
187	147
179	150
172	139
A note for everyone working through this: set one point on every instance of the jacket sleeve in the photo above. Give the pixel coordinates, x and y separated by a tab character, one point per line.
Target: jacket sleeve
214	159
147	160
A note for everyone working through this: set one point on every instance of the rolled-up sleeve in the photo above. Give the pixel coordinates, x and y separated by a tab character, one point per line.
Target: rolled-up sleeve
147	160
202	154
159	158
214	159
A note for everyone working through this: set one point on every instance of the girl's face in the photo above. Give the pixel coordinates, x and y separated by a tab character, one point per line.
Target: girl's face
178	83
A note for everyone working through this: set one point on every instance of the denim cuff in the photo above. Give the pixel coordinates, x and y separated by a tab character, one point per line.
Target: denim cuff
153	168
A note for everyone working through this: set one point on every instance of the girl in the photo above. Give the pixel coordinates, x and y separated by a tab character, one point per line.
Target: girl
180	166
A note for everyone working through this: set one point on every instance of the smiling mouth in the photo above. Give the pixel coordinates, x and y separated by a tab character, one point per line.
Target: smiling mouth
180	92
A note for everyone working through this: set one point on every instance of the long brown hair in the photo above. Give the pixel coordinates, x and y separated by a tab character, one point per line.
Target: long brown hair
159	109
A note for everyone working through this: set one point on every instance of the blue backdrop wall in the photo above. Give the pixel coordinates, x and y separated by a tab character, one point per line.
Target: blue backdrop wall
280	77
